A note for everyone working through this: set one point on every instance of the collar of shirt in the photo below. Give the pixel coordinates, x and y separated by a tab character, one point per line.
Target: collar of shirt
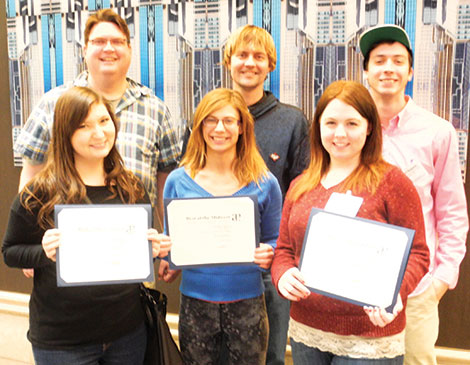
398	120
133	92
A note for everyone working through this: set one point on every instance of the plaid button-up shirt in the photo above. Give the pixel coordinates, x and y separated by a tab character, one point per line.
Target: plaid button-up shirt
148	140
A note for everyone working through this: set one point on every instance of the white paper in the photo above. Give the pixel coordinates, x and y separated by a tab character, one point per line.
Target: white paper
212	231
344	204
354	259
105	244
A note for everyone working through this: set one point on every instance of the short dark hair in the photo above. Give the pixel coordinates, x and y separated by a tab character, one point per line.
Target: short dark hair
365	64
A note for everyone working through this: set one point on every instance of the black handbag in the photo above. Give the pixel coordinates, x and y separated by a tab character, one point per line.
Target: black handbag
161	348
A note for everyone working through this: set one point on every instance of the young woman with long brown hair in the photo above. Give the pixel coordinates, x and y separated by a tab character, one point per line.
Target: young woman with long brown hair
98	324
346	155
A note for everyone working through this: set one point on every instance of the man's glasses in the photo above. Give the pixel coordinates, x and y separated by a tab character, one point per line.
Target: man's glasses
228	122
102	42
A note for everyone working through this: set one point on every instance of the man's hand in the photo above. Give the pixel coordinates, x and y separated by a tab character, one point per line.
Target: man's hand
440	288
165	273
28	171
29	273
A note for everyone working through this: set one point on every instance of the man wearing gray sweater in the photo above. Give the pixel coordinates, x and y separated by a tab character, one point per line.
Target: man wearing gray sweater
282	137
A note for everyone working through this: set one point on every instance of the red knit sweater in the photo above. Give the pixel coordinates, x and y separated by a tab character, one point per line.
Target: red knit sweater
396	202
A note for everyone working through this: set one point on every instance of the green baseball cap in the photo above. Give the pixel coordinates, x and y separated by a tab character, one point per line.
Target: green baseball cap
388	32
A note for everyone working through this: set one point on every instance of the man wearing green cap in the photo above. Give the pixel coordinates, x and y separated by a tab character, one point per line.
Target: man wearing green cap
425	147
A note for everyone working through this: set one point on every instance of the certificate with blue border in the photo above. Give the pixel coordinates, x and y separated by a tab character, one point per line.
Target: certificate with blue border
355	259
212	231
103	244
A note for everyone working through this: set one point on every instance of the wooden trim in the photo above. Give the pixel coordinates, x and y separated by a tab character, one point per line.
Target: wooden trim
14	303
449	356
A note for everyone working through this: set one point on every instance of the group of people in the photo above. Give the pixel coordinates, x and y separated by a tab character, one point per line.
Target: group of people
376	144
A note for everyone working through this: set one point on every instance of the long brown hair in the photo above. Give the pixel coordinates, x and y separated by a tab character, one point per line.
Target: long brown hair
248	165
59	182
371	167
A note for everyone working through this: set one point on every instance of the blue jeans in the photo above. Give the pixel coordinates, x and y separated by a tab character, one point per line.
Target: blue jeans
278	316
306	355
127	350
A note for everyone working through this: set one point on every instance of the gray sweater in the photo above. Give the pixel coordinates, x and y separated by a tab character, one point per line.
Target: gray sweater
282	137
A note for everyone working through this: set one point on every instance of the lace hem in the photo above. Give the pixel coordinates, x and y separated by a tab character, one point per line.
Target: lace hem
351	346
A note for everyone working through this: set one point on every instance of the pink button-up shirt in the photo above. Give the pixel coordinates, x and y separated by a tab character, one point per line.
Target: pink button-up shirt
425	147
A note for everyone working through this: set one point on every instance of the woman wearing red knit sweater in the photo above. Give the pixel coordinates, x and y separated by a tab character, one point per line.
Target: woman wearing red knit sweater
346	154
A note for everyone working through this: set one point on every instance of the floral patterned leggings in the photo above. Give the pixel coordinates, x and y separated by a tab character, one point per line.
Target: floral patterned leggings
205	326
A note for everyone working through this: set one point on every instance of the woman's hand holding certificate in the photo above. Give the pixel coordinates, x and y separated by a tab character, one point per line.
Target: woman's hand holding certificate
264	256
291	285
224	228
161	243
380	317
50	242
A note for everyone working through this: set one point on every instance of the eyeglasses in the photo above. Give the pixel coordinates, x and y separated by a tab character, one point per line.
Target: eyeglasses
228	122
102	42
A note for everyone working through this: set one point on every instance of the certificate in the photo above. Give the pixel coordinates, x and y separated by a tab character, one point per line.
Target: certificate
103	244
212	231
354	259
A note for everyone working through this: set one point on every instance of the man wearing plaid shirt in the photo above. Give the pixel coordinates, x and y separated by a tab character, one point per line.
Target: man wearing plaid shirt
148	138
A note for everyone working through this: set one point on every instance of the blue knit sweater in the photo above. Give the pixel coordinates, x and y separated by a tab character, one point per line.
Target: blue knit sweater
229	283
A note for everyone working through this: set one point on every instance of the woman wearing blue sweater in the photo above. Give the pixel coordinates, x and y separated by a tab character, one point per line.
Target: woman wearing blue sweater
225	303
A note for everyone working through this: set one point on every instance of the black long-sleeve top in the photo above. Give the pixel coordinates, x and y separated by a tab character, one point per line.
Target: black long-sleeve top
65	317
